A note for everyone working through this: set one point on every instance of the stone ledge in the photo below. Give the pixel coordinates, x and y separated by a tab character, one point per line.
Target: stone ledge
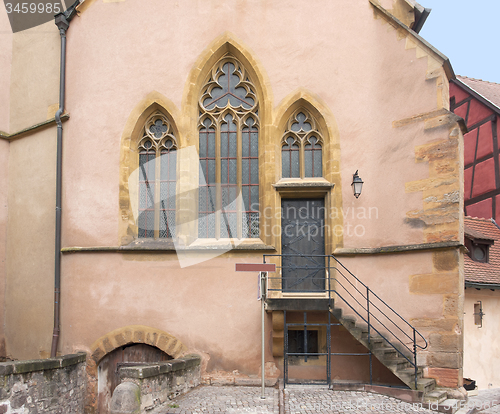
153	370
23	367
167	248
396	249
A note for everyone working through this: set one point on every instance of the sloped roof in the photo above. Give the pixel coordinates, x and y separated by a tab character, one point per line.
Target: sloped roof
483	273
488	90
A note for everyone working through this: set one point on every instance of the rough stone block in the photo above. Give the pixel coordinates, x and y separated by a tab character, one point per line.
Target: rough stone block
445	342
21	367
445	260
451	306
126	399
6	368
107	345
191	361
177	364
445	359
445	377
98	354
444	325
73	359
149	371
434	283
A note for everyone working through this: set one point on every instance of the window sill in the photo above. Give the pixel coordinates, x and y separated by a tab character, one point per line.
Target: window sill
305	186
248	245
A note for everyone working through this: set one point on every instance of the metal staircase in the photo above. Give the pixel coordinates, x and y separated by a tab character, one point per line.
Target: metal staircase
370	320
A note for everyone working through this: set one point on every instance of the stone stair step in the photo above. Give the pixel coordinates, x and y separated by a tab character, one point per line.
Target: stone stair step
348	321
336	312
386	352
435	396
375	340
397	364
449	406
426	384
410	373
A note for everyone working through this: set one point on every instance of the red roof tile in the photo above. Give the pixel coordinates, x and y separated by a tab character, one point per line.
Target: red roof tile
476	272
489	90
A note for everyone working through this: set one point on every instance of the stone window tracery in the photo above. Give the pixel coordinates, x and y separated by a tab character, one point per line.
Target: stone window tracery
157	179
228	153
301	147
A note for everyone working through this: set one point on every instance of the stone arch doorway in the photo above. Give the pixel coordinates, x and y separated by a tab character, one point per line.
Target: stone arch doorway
130	344
108	370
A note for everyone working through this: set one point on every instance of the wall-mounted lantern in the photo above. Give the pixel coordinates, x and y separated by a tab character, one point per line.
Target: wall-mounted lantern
357	184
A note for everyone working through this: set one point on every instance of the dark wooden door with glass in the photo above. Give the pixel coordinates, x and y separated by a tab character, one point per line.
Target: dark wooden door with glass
303	245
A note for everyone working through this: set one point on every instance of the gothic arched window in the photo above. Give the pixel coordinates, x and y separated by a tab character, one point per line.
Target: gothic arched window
228	204
157	178
301	147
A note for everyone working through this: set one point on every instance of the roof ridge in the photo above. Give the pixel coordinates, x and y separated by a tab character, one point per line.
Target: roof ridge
480	80
478	218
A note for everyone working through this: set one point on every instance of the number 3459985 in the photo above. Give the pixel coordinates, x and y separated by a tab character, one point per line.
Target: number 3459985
33	8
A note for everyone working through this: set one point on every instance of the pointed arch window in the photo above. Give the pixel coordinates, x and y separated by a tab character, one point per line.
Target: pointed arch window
228	201
301	147
157	151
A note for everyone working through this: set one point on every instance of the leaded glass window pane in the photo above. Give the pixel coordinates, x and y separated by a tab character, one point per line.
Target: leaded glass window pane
157	179
302	141
229	119
167	193
312	158
146	221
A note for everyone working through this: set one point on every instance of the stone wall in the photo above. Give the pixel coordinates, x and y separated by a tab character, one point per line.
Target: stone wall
160	382
54	385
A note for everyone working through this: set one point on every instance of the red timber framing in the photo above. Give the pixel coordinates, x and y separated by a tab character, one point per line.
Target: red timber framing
477	102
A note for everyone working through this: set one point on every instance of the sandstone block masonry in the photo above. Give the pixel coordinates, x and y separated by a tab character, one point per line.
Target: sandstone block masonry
158	383
54	385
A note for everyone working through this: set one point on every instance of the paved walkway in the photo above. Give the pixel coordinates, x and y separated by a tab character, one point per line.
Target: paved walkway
485	402
307	400
297	400
230	399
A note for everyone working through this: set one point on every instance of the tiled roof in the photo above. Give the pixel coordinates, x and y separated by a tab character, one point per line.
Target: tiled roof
476	272
489	90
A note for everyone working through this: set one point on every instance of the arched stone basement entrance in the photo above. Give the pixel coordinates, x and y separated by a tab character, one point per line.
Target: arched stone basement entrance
134	343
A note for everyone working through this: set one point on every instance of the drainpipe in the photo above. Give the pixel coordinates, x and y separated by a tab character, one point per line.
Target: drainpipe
62	21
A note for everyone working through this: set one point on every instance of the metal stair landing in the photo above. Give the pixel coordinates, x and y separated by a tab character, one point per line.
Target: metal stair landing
391	356
387	335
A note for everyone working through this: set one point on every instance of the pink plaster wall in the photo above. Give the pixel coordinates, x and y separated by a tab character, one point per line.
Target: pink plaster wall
5	69
118	53
388	276
353	63
209	307
30	246
35	75
4	175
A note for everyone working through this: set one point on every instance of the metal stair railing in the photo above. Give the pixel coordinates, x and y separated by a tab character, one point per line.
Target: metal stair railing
379	317
392	333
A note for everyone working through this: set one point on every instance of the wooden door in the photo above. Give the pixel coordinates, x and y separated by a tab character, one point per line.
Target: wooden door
109	367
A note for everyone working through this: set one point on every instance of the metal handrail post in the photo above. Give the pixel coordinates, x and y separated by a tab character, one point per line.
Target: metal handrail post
415	355
329	284
369	330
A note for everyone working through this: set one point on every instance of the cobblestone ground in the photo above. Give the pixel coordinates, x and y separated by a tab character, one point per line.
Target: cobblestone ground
313	400
228	400
298	400
485	402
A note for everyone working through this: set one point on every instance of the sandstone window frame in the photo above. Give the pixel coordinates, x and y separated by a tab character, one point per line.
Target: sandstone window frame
157	157
229	151
302	147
